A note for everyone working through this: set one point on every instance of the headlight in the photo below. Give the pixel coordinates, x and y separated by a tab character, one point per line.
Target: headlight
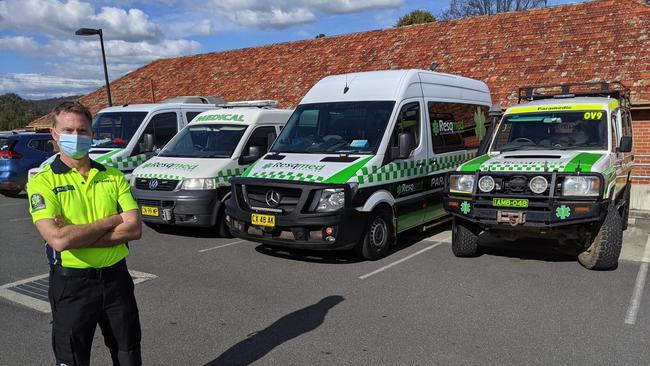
486	184
195	184
581	186
461	183
331	200
132	180
538	184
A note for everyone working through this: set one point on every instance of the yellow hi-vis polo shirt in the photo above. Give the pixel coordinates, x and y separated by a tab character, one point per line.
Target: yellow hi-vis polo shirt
61	190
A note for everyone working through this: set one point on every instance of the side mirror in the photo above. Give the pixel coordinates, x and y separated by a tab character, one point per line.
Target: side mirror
626	144
254	153
148	142
405	145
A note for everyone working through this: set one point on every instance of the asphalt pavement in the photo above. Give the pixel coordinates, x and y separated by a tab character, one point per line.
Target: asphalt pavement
215	301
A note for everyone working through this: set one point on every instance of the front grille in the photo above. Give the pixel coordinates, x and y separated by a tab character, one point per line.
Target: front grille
255	196
154	203
158	185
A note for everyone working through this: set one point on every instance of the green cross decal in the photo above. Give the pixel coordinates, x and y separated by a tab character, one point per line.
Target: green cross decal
465	207
563	212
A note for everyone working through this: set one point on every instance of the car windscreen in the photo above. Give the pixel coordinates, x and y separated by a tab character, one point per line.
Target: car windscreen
205	141
337	128
567	130
115	129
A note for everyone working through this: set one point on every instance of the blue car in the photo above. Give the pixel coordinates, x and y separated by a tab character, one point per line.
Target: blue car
19	152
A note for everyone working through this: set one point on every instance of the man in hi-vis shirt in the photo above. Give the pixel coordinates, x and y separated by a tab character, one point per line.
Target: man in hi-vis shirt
86	214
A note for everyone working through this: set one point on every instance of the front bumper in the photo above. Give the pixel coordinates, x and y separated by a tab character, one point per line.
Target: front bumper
297	229
11	181
183	208
554	214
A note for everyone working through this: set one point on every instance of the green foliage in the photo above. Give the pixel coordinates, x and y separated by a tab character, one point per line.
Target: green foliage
16	112
415	17
479	120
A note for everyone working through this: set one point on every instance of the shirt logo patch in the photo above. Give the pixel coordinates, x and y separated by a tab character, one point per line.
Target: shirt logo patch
37	201
63	189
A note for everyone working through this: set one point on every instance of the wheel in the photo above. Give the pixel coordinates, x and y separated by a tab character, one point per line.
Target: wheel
464	239
379	236
12	194
222	228
626	209
602	253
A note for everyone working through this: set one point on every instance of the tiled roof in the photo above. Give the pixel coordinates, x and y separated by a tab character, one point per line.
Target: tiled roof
593	41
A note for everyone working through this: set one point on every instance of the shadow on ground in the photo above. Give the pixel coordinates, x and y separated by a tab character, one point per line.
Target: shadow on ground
404	240
290	326
529	249
192	232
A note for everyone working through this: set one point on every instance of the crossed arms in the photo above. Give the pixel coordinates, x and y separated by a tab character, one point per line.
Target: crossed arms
107	232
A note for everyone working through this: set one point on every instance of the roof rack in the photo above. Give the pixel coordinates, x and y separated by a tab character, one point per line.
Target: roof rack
251	104
613	89
194	99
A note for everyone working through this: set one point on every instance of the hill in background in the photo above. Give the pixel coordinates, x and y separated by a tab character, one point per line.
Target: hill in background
16	112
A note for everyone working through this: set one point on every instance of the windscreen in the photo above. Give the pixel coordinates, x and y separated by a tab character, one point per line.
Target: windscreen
338	128
552	131
204	141
115	129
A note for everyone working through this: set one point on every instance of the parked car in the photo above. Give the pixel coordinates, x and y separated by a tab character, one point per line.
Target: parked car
19	152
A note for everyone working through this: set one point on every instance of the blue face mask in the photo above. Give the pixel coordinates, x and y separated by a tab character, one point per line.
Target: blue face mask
75	146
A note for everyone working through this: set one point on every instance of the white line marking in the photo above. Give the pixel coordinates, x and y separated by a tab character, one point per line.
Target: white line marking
20	219
399	261
222	246
637	295
14	204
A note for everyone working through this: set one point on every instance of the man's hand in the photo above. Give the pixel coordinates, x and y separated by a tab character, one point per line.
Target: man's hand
130	229
59	221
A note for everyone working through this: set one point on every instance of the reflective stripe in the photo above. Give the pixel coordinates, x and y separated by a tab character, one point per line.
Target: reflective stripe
554	108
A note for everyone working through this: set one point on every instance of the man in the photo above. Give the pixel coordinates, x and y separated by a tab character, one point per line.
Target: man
86	214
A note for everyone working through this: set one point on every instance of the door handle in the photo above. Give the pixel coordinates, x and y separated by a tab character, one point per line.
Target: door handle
420	163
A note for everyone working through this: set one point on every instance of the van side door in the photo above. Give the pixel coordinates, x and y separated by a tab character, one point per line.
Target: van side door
407	177
162	126
456	131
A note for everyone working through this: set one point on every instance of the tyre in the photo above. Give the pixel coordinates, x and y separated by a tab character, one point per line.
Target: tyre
464	238
12	194
222	228
626	209
378	237
602	253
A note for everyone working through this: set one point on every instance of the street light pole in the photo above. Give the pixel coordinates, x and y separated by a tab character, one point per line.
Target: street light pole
92	32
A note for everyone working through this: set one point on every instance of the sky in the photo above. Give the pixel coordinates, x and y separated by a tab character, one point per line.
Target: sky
40	57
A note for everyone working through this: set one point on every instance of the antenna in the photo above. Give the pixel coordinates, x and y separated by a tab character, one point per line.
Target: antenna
434	66
347	88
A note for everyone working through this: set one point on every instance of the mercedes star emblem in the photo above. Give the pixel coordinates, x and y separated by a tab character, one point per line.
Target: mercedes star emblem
273	198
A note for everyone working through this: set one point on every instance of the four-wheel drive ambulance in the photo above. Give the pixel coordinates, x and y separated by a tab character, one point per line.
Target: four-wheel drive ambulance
557	166
362	158
187	181
127	136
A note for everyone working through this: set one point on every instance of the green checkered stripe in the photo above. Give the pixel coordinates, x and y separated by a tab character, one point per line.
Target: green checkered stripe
537	167
400	170
127	163
159	176
302	177
223	176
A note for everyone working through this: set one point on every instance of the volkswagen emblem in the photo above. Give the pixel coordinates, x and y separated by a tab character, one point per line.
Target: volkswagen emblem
273	198
153	184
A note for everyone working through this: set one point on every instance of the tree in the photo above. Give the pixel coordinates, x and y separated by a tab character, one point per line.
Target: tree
472	8
415	17
320	35
16	112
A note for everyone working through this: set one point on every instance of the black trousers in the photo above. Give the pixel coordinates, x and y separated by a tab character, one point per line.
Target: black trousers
80	300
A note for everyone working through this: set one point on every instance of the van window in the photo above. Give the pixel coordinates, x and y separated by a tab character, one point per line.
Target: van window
408	120
190	116
204	141
335	128
262	137
456	126
163	127
116	129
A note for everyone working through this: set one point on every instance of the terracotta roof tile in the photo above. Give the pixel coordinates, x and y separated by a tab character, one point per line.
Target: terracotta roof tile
592	41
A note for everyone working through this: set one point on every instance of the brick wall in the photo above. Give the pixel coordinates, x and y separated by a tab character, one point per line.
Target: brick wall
641	127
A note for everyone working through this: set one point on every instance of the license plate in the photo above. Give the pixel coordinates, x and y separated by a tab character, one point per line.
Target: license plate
149	211
509	202
263	220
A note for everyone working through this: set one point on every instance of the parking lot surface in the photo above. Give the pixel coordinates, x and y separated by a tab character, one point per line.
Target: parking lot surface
218	301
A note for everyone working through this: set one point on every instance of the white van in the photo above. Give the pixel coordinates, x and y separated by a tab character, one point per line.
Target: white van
128	135
188	180
362	158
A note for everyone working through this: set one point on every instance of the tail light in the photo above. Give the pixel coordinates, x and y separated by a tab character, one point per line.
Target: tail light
10	154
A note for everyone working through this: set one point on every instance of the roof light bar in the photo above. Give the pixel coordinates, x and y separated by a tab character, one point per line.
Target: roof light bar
251	103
